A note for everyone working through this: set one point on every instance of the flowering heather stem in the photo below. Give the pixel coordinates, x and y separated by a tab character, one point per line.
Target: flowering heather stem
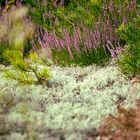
103	34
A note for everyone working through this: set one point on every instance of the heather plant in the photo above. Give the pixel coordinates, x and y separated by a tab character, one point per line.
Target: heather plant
55	15
85	45
76	13
82	47
113	15
100	28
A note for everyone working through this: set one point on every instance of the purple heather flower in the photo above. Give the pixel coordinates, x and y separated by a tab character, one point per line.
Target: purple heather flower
76	42
34	46
113	54
69	51
118	50
111	6
134	4
124	20
62	43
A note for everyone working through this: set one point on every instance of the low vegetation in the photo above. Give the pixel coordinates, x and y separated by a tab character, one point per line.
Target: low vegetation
72	105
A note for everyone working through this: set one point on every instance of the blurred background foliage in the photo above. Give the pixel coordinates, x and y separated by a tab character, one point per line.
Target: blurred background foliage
97	20
15	30
56	16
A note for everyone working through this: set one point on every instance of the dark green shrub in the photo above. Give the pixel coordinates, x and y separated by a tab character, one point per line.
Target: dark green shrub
129	59
98	56
46	15
3	47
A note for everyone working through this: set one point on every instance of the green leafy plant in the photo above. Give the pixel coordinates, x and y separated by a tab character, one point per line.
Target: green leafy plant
46	14
3	46
29	71
97	56
25	70
129	59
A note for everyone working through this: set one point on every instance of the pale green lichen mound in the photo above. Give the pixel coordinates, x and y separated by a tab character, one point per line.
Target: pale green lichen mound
77	99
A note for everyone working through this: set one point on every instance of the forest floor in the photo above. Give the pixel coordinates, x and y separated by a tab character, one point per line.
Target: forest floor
72	107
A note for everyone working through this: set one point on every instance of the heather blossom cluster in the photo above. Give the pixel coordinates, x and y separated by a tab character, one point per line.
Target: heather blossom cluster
103	34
